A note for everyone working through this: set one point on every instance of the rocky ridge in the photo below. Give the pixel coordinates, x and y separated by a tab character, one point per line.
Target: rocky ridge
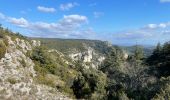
17	74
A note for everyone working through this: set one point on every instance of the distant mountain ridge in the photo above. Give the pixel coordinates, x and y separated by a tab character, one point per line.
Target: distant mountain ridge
65	45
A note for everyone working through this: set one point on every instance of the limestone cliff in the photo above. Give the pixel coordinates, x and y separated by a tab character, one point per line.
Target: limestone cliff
90	57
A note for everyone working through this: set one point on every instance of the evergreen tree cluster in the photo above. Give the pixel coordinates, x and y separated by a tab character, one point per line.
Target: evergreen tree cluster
160	60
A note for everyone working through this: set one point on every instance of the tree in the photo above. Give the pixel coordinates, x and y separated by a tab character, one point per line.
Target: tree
138	54
113	60
160	60
158	48
80	87
90	84
157	51
39	54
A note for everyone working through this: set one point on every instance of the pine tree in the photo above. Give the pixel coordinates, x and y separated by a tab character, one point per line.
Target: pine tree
158	49
138	54
155	58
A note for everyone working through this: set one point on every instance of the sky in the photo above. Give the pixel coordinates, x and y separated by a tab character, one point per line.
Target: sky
122	22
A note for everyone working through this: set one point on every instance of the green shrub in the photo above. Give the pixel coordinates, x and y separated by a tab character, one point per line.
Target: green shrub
6	41
29	53
2	49
90	84
44	80
1	35
12	80
39	69
24	64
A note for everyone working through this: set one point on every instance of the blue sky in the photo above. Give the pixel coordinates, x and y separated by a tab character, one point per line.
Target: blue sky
122	22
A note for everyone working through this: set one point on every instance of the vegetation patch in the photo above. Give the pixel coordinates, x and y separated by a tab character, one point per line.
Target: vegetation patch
2	49
24	64
44	80
12	80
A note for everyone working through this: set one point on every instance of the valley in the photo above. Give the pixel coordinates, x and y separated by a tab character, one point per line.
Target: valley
80	69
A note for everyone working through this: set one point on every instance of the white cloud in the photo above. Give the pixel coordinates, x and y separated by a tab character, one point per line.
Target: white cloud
157	26
2	16
69	25
164	1
151	26
19	22
98	14
46	9
74	19
149	32
68	6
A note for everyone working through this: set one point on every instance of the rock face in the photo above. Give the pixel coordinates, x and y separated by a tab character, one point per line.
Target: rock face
88	56
35	43
17	73
125	55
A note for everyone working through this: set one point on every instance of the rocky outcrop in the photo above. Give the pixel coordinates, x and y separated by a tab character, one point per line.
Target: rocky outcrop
35	43
17	74
125	55
88	56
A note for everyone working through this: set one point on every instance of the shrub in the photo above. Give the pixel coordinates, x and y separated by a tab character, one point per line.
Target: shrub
44	80
12	80
6	41
24	64
39	55
1	35
2	49
90	84
39	69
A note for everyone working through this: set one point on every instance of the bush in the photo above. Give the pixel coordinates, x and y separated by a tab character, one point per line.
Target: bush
39	69
2	49
44	80
39	54
12	80
90	84
161	89
24	64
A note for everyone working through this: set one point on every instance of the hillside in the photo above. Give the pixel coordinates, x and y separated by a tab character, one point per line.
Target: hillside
90	52
55	69
84	50
19	77
32	70
69	45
